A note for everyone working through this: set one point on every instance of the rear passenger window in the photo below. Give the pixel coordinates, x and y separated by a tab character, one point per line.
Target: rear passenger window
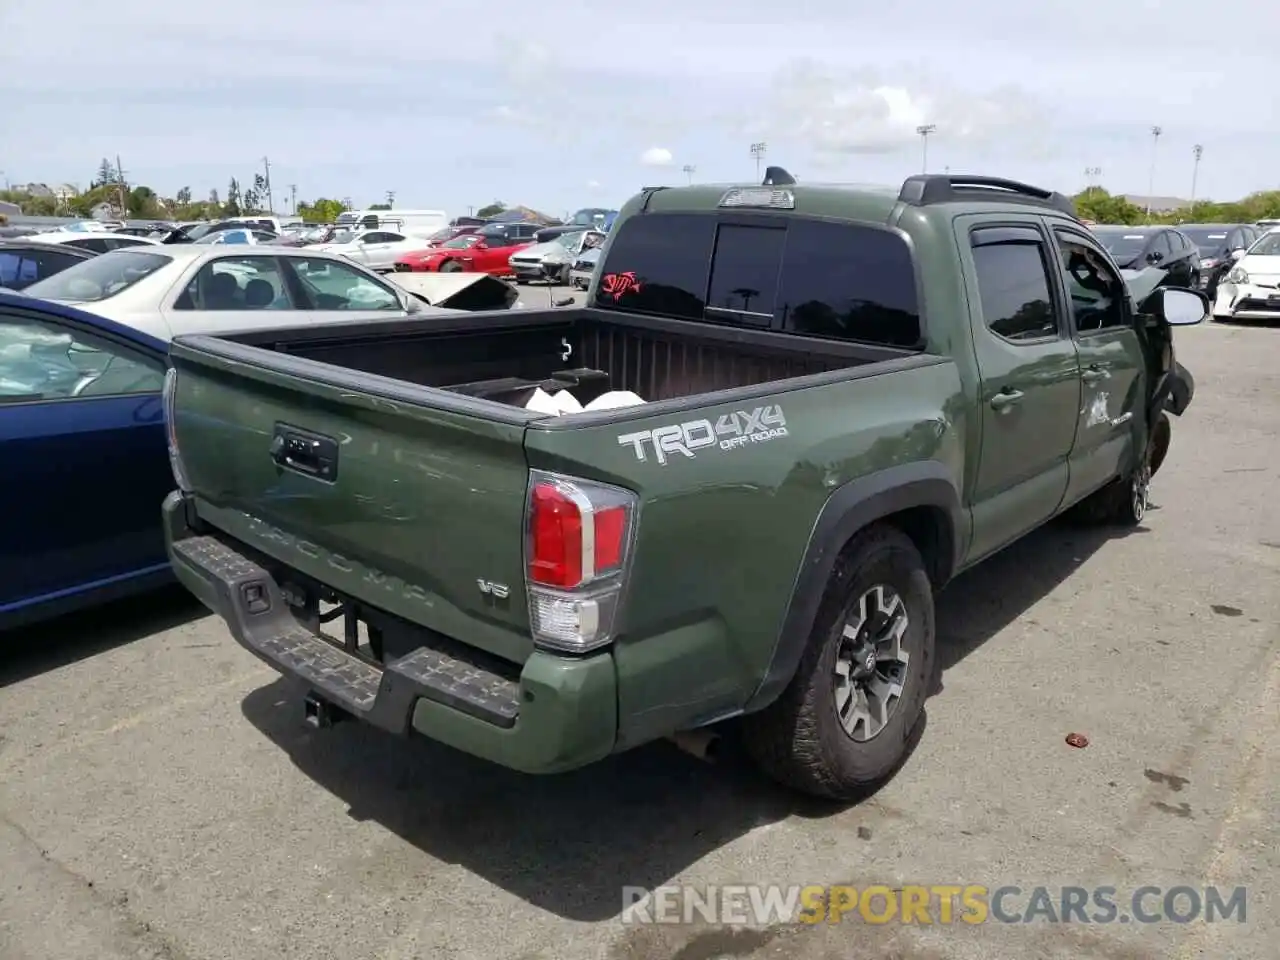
1013	288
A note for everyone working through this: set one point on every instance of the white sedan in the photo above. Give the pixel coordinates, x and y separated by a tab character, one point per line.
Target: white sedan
1251	289
99	241
168	290
376	249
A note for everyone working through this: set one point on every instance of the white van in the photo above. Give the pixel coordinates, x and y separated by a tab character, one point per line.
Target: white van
418	223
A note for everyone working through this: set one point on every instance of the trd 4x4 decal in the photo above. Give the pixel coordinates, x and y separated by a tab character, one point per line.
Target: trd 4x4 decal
730	432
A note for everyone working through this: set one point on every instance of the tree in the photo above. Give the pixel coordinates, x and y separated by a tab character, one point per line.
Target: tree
379	206
106	174
143	203
232	207
491	209
321	210
183	197
249	201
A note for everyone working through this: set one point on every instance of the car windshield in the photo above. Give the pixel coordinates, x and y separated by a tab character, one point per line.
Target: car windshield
100	277
570	240
461	243
344	236
1122	244
1209	240
1268	245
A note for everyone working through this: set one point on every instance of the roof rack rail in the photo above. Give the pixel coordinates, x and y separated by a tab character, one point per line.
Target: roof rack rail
925	189
777	177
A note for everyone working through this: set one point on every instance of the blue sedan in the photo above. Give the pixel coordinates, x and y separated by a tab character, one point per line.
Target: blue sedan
85	462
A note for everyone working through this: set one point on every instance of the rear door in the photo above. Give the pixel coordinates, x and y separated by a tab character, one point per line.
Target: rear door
1111	412
85	462
1030	376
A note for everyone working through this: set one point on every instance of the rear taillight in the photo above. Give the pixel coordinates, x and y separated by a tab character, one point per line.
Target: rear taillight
579	540
171	431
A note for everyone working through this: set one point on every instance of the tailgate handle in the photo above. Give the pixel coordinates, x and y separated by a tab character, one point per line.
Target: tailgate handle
302	451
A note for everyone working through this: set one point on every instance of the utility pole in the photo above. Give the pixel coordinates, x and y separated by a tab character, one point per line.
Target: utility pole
689	171
1151	180
293	199
758	151
391	199
924	130
124	207
346	202
266	177
1091	175
1197	152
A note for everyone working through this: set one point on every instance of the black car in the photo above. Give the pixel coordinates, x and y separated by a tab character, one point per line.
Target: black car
1217	242
23	262
1136	248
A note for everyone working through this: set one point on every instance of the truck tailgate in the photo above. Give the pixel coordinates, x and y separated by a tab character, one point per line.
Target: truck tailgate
409	509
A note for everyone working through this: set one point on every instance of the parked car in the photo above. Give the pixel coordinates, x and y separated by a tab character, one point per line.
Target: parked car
24	262
85	461
1135	248
250	235
553	259
164	290
99	242
488	250
376	249
584	268
1217	243
800	423
1251	288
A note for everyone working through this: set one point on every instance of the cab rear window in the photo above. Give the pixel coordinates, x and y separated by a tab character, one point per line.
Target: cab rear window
808	277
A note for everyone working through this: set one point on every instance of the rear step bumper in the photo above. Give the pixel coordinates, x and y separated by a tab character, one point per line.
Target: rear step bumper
559	714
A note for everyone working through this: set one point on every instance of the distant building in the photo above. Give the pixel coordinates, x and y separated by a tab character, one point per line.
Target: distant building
10	209
1158	204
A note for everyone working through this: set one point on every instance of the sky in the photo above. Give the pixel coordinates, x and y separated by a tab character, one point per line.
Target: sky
581	103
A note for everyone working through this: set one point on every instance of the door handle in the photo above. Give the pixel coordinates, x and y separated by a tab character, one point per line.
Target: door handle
1006	399
1093	373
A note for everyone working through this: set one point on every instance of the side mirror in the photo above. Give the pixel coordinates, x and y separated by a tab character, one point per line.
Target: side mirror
1180	307
411	304
480	245
1238	253
1155	256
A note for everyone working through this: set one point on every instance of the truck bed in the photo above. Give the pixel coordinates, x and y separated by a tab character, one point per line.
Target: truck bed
504	356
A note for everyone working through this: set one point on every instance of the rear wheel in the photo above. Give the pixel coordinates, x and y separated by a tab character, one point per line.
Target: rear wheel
843	724
451	266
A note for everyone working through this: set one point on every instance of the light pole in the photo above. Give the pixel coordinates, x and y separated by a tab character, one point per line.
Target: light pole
391	199
1091	175
689	170
924	130
1197	152
758	151
1151	180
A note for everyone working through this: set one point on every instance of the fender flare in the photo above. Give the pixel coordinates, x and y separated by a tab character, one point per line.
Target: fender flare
850	508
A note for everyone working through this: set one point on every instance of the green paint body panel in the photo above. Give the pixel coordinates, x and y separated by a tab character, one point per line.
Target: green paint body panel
428	500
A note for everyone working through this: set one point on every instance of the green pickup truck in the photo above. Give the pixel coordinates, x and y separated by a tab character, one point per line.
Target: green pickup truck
728	486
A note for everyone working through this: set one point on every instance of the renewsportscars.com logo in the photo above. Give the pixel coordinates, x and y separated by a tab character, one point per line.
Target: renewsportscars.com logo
760	905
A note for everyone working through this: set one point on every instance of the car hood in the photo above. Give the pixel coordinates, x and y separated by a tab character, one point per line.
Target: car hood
1265	268
540	250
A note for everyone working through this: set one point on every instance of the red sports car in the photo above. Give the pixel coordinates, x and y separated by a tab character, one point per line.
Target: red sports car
469	253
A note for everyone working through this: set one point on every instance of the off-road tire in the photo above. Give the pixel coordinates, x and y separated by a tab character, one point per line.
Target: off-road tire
798	739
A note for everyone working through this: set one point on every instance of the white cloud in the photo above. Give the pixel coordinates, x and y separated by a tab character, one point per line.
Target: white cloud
593	184
656	157
863	113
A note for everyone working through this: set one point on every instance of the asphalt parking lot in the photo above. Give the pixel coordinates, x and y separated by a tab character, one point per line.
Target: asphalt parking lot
160	797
